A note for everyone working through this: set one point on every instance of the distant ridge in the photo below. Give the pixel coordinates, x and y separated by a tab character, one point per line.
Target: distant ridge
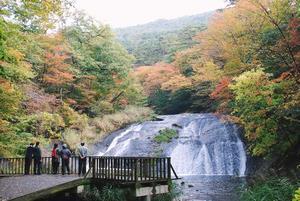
159	40
165	25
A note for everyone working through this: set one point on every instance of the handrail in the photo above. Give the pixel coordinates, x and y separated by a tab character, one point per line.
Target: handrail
128	169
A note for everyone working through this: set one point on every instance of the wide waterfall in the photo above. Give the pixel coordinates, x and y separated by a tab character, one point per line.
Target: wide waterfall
206	144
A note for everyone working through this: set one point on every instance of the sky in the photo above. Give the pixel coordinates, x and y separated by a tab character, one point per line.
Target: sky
122	13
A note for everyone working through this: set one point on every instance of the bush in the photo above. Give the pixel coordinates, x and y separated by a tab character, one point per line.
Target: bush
41	124
297	195
49	125
276	189
107	193
166	135
72	118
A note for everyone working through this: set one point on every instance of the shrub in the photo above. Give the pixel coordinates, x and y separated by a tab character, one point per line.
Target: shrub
49	125
107	193
72	118
166	135
276	189
297	195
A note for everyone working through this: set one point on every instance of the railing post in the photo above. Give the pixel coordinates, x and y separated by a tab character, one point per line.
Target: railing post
169	167
93	166
136	170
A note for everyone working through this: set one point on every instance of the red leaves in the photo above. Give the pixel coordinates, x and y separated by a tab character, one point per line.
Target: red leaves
294	29
221	91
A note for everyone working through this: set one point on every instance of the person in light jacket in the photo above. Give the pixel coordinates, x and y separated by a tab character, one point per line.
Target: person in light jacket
83	152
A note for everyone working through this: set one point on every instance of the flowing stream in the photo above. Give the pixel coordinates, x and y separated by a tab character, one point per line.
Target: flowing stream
207	148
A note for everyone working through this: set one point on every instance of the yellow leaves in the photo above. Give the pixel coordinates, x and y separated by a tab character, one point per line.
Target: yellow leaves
176	82
206	71
15	54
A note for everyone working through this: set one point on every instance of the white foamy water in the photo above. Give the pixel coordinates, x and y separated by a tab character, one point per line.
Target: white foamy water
205	145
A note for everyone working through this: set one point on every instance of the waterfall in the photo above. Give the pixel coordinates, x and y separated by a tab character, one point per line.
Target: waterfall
206	145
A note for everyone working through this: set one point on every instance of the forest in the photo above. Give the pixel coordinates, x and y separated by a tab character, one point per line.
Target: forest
245	64
59	85
82	80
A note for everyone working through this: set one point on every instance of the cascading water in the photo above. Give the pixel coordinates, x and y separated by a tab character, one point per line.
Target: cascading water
206	145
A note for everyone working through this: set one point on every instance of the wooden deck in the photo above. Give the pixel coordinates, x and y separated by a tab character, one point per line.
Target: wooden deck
134	171
31	187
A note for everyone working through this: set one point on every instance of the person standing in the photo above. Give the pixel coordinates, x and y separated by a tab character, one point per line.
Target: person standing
55	158
65	156
28	158
37	155
83	151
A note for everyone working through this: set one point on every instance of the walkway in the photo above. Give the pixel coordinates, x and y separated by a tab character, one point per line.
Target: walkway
20	186
133	171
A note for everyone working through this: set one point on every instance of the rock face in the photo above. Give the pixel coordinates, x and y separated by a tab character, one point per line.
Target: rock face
206	145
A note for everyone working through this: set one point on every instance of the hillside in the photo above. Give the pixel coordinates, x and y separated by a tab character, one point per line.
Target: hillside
159	40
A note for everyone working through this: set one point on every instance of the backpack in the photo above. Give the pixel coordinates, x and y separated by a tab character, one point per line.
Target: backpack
65	157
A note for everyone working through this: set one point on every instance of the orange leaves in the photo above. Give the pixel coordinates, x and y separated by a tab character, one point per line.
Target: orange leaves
6	85
221	90
58	70
153	77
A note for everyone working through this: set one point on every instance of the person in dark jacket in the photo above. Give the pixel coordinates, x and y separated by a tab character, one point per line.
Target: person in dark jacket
65	156
28	158
55	158
37	155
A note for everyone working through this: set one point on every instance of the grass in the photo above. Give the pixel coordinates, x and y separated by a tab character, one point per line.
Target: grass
166	135
131	114
274	189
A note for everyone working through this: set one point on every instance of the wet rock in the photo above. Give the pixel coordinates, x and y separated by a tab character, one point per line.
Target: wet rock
177	126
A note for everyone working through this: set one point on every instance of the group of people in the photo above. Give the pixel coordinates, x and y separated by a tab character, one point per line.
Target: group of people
64	154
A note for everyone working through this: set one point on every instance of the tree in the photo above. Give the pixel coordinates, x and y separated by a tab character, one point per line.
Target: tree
34	16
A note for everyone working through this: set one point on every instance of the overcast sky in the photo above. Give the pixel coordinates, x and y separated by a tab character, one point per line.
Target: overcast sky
122	13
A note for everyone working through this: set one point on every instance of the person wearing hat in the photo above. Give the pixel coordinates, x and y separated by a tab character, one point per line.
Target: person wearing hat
28	157
83	152
65	158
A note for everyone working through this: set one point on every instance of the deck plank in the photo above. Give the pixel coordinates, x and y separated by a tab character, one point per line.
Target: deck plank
19	186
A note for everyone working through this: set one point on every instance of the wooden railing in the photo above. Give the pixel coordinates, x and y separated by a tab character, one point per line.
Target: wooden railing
131	169
120	169
16	166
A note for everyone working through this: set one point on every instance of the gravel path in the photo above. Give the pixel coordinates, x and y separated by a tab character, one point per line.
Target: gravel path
13	187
